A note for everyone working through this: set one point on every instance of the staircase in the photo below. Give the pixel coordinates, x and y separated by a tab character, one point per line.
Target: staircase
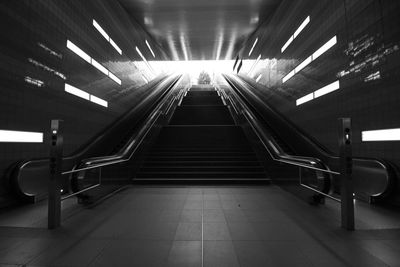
201	142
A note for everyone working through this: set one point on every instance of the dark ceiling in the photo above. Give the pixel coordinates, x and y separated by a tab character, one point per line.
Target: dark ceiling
200	29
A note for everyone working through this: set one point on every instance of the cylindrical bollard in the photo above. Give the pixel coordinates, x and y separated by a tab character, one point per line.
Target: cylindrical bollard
54	198
346	168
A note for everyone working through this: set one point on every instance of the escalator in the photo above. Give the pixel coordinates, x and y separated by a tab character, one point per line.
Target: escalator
202	134
201	142
28	179
373	178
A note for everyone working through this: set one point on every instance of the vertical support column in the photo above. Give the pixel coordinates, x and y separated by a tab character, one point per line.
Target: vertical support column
54	199
346	166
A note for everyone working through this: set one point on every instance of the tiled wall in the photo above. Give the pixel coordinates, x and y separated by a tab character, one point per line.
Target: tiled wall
34	34
365	60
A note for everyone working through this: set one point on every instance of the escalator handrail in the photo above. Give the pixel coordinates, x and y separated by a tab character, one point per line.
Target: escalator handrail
21	171
132	145
80	150
311	140
387	171
98	162
305	162
299	161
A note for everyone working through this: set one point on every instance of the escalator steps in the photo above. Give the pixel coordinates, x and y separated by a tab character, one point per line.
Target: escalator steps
201	115
201	100
201	142
218	137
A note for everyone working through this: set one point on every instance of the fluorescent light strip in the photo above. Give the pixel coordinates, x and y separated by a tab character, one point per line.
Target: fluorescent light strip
258	78
320	92
9	136
92	61
288	42
77	92
324	48
381	135
114	78
100	67
311	58
116	47
151	50
140	54
254	65
296	33
101	31
98	101
78	51
303	64
82	94
254	44
288	76
106	36
144	59
304	99
301	27
327	89
184	49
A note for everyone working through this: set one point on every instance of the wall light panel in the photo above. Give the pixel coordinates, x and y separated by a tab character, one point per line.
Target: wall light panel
98	101
78	51
304	99
10	136
77	92
327	89
381	135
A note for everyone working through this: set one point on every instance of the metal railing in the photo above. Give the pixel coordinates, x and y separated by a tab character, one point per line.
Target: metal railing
347	195
99	162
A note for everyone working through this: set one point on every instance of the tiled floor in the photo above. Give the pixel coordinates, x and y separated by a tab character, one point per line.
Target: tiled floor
194	226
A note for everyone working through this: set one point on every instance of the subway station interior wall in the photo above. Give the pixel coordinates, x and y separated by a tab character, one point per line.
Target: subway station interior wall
34	36
368	36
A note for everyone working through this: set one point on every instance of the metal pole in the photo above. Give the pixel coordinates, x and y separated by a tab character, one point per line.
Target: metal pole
54	199
346	166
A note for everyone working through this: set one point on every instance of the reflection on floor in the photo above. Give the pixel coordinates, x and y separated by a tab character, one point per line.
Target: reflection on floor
201	226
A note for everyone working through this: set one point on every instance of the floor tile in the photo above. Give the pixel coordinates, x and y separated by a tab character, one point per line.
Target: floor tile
164	226
133	253
212	204
185	254
216	231
252	253
189	231
170	215
286	253
150	231
72	253
279	231
242	231
219	254
191	215
214	215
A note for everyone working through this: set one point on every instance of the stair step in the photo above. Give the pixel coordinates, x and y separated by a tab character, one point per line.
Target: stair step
198	174
184	158
199	150
201	115
202	163
201	169
201	88
194	154
201	93
202	180
201	100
